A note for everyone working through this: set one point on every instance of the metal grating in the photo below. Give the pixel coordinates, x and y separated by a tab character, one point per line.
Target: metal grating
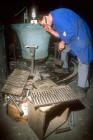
15	83
60	94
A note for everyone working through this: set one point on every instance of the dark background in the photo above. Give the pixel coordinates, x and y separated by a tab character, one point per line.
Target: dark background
83	7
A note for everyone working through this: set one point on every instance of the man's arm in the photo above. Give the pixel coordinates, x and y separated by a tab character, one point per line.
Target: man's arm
61	44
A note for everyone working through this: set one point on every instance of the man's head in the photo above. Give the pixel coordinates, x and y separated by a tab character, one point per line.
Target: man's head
45	19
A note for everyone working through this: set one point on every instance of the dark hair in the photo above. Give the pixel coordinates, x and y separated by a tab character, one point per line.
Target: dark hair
41	15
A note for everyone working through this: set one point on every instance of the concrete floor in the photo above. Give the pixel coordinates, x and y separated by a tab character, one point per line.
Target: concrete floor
82	129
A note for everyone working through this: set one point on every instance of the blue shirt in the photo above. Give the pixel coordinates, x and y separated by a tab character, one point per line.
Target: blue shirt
74	31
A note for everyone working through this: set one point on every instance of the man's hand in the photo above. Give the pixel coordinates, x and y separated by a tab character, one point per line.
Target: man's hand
48	28
61	45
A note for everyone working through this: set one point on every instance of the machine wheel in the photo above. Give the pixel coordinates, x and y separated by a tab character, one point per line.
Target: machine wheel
72	76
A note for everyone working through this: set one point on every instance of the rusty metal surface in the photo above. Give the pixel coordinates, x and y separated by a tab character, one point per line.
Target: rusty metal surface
15	82
53	95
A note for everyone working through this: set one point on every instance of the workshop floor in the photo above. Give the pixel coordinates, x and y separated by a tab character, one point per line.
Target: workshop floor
82	129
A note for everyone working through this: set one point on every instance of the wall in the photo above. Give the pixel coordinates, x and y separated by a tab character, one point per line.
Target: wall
3	66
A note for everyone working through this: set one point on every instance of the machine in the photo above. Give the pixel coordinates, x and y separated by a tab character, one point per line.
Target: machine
33	64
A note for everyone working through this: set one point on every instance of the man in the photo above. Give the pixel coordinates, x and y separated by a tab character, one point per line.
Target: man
75	37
